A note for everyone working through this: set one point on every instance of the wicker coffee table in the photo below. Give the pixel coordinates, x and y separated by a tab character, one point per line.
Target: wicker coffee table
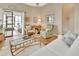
19	44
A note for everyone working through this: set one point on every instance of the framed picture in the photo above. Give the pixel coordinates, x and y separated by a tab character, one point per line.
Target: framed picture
37	19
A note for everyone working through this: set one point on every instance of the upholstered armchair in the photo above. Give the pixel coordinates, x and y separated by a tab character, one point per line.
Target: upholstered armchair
29	30
47	31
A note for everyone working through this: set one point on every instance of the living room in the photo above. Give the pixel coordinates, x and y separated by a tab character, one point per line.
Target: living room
37	27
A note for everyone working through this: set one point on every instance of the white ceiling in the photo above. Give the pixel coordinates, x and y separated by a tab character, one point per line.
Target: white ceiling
35	4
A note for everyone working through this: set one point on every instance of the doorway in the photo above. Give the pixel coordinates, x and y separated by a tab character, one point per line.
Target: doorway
12	23
17	25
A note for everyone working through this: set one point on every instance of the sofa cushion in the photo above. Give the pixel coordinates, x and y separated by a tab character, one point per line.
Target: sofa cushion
74	49
44	52
69	38
71	35
55	48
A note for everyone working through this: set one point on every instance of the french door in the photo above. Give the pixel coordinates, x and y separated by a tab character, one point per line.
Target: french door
8	24
18	23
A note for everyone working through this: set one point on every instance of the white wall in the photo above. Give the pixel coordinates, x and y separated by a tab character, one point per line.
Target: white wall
59	17
73	23
76	18
68	17
56	9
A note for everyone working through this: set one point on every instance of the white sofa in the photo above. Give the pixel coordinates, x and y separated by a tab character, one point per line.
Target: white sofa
55	48
74	49
59	48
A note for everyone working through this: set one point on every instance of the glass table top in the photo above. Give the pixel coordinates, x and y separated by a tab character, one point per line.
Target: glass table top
20	40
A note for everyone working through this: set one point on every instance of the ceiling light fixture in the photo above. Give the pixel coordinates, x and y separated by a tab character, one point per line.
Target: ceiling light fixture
36	4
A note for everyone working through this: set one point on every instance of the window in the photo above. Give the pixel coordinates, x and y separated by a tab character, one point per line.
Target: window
50	19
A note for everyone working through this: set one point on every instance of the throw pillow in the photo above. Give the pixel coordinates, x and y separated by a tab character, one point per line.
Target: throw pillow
69	38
